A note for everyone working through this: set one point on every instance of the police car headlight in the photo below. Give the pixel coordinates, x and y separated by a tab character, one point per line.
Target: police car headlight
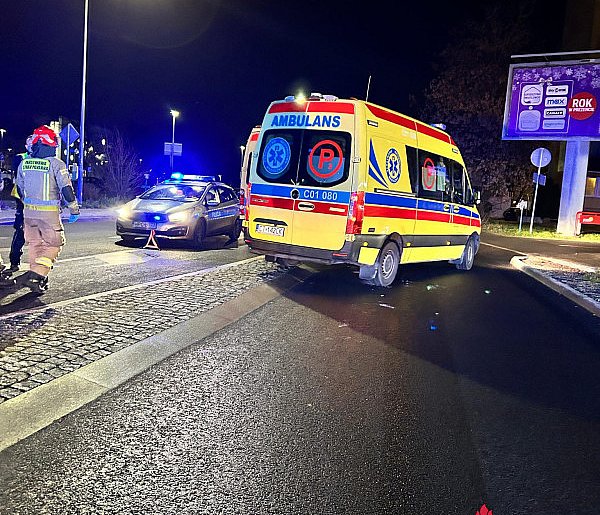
124	213
180	216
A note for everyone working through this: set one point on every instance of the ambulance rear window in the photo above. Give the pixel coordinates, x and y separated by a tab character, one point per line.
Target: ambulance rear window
305	157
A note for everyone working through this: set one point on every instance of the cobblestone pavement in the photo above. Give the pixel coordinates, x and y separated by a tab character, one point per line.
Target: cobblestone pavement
49	343
581	279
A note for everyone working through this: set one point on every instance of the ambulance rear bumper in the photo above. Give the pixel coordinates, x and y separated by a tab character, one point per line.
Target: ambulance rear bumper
348	254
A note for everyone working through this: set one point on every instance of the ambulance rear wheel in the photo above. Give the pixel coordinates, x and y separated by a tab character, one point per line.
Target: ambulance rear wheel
387	265
468	256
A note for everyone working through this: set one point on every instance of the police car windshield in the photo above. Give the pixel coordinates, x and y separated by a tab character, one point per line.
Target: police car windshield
176	192
305	157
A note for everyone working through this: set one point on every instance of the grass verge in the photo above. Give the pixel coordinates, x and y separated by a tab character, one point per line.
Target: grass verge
547	232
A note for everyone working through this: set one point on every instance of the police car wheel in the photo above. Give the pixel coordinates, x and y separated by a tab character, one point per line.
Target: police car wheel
387	265
468	256
237	230
199	234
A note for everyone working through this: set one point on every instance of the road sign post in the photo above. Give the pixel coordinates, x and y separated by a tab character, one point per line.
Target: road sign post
521	205
540	157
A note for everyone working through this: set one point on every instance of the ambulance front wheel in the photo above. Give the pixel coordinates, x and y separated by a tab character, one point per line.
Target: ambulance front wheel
385	269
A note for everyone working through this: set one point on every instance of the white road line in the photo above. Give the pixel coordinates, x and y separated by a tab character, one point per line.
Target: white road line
504	248
96	256
91	256
126	288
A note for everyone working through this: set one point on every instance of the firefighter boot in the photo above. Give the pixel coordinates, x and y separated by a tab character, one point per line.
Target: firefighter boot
38	284
5	280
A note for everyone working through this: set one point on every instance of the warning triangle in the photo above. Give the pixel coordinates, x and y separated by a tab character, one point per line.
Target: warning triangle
151	243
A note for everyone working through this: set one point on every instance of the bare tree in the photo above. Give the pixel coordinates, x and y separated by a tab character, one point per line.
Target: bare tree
121	171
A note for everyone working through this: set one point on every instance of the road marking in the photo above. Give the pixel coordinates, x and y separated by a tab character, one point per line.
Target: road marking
133	287
97	256
105	256
504	248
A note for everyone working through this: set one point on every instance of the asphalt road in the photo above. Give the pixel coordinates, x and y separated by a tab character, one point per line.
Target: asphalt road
96	260
441	393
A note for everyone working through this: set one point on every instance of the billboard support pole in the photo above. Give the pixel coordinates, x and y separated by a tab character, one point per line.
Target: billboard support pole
573	186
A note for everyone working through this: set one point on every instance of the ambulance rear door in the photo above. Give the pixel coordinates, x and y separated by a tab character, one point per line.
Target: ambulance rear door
301	181
323	189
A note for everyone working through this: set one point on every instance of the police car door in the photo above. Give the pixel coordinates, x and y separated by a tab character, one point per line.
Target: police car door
212	202
230	210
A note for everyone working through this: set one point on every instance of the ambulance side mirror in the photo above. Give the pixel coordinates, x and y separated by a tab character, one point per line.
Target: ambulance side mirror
477	196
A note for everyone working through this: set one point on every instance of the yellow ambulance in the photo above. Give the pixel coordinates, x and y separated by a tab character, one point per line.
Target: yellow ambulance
347	181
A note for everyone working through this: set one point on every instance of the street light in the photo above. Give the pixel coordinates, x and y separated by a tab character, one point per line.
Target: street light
82	122
242	148
2	131
174	114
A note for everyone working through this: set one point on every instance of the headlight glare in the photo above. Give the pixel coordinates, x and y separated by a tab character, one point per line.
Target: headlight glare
180	216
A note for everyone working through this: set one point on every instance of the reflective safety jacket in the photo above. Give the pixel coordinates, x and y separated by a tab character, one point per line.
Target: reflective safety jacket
40	182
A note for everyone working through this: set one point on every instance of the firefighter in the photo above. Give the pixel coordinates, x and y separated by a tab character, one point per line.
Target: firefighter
42	181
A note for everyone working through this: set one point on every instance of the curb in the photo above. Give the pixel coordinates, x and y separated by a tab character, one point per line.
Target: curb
36	409
567	291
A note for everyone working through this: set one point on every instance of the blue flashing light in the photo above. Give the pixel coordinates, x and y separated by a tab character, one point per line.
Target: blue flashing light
157	217
177	176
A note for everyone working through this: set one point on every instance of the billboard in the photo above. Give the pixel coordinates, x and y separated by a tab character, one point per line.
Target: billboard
552	101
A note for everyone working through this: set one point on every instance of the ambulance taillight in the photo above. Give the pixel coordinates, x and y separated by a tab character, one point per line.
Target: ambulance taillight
356	213
242	202
246	205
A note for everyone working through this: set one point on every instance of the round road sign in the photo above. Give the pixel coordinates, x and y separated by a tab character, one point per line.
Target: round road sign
540	157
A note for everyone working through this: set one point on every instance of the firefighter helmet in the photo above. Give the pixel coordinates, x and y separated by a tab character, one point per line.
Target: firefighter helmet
45	135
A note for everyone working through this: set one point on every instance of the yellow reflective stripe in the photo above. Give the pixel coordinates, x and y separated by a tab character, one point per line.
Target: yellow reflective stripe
44	261
34	207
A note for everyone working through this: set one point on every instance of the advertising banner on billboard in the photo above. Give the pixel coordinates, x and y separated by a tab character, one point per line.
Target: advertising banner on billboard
553	101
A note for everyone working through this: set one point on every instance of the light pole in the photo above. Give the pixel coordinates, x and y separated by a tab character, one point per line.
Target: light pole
174	114
82	122
2	132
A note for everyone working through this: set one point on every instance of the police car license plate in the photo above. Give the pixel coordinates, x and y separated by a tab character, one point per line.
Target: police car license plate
143	225
270	229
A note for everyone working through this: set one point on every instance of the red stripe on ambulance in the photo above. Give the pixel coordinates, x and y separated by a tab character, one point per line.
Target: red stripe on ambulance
392	117
330	107
321	207
433	216
277	202
390	212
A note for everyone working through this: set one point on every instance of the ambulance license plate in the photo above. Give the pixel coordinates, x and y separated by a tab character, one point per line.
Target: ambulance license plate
143	225
273	230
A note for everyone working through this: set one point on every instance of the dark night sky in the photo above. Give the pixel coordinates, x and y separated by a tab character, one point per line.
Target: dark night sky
219	62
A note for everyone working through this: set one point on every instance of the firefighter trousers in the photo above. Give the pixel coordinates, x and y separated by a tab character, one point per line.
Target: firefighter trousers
45	239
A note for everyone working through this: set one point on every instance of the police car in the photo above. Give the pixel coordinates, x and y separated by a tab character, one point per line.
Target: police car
184	207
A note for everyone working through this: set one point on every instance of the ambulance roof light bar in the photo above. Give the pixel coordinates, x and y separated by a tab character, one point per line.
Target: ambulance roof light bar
313	96
441	126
